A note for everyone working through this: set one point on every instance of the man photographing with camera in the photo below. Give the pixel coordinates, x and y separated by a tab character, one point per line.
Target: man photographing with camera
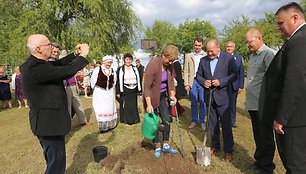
43	86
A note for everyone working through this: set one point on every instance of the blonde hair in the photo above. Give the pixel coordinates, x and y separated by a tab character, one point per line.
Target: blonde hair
170	51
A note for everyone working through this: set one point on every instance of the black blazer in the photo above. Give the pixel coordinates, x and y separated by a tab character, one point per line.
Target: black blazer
180	88
226	72
42	83
283	90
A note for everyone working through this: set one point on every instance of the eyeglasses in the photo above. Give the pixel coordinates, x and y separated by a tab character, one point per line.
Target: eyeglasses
248	42
49	44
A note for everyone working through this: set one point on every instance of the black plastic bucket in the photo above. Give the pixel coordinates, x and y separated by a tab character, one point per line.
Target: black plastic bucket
99	152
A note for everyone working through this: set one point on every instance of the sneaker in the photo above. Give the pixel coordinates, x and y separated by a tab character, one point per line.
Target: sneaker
170	150
19	107
192	125
158	152
203	126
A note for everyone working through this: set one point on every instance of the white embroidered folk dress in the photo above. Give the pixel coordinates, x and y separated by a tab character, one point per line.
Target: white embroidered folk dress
104	100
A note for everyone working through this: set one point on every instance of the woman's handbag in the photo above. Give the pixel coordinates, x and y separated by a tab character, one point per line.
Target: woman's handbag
149	125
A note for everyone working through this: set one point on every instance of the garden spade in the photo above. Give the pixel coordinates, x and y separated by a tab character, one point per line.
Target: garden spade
203	154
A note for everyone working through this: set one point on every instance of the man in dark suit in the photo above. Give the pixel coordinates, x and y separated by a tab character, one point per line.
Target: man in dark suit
141	69
42	83
282	102
238	85
218	70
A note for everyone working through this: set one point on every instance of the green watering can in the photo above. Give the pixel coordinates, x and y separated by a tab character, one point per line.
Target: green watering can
149	125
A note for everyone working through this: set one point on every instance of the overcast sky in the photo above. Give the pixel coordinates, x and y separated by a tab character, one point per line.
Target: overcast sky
218	12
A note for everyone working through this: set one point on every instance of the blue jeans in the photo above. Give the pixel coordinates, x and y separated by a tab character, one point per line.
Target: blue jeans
55	153
196	95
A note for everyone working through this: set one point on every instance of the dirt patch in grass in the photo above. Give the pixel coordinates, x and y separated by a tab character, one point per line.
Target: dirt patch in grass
140	155
21	152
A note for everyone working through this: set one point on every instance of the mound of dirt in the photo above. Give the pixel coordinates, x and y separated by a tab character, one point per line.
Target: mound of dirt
141	155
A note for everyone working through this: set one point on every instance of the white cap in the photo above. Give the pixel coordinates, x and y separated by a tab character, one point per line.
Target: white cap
107	59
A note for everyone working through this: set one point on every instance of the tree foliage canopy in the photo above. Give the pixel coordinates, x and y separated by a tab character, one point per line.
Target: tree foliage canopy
189	30
183	36
163	32
107	26
111	27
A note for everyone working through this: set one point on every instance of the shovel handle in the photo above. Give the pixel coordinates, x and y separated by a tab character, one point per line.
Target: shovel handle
205	139
207	118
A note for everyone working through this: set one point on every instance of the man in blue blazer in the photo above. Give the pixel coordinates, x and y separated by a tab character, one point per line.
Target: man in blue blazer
217	71
238	85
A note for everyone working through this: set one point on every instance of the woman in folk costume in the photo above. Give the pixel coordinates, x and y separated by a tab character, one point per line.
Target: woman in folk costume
103	81
128	85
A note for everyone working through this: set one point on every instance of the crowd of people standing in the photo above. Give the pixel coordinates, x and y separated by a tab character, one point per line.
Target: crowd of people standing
275	93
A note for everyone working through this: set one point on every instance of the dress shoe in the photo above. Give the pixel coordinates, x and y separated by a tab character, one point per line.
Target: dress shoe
234	125
228	157
255	166
84	124
192	125
203	126
213	151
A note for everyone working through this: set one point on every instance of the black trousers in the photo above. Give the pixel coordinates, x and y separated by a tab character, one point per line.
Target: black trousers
292	149
265	144
221	113
164	112
54	152
256	135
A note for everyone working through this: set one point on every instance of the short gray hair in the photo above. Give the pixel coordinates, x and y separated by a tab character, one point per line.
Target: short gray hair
32	45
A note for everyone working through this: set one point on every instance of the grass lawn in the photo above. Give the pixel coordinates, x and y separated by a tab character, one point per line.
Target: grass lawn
21	152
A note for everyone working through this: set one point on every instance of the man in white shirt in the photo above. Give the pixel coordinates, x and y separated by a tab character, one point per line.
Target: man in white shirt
196	92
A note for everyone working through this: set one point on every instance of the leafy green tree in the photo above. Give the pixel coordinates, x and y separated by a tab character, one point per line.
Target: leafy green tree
189	30
267	26
303	4
235	32
163	32
108	26
11	34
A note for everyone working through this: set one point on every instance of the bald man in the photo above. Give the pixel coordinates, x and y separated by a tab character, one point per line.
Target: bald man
42	83
283	93
260	58
217	71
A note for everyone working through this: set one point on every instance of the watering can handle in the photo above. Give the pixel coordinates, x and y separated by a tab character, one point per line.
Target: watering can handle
151	113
